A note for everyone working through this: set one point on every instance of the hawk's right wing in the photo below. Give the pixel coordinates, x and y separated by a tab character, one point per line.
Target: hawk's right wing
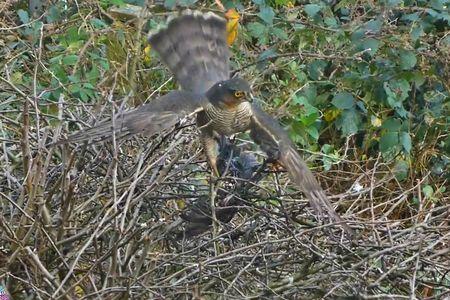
272	138
194	48
148	119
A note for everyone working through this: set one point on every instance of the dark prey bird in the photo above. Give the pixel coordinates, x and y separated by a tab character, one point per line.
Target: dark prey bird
194	48
240	165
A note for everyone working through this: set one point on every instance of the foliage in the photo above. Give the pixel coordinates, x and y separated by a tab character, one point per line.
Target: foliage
376	71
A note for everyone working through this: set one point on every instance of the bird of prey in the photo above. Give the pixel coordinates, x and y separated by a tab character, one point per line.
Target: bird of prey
193	46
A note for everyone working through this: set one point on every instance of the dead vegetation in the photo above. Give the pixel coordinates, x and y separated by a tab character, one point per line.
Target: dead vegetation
103	221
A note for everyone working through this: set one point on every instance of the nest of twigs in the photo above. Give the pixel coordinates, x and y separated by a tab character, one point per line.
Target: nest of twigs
114	220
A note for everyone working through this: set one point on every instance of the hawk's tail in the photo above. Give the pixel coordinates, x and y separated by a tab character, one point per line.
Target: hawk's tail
194	48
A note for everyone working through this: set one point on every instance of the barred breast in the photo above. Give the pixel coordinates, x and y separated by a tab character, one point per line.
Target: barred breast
227	122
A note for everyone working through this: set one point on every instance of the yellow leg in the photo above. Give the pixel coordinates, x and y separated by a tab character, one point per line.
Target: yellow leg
210	145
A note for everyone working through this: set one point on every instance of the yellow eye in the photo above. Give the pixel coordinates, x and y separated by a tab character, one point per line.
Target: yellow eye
238	94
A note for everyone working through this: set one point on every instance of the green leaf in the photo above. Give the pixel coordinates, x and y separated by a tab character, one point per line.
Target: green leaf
93	75
310	92
99	24
56	59
401	169
446	40
74	79
349	122
373	26
269	53
405	141
309	118
114	2
428	191
388	141
312	9
281	2
23	16
280	33
309	113
301	76
393	3
343	100
327	161
327	148
316	69
298	27
313	132
418	79
369	45
437	4
392	124
432	12
54	14
357	35
60	73
259	2
361	106
70	60
74	34
407	59
411	17
170	3
258	31
331	22
267	14
402	88
395	99
187	3
417	31
300	100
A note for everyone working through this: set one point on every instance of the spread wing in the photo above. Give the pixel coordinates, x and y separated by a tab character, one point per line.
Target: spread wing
149	119
272	139
194	48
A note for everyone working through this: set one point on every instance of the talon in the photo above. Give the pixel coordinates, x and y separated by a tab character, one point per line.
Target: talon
275	165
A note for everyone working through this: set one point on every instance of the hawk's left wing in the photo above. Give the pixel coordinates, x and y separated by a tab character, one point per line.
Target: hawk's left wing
272	139
149	119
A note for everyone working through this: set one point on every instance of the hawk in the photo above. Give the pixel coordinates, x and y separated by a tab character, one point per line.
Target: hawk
193	46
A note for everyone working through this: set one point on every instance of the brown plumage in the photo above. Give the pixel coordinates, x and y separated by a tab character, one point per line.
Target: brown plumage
194	48
147	119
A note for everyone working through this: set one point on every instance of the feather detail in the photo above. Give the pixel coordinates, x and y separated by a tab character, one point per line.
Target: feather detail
272	139
194	48
149	119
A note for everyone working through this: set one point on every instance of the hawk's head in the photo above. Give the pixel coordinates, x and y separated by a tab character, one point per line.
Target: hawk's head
229	93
